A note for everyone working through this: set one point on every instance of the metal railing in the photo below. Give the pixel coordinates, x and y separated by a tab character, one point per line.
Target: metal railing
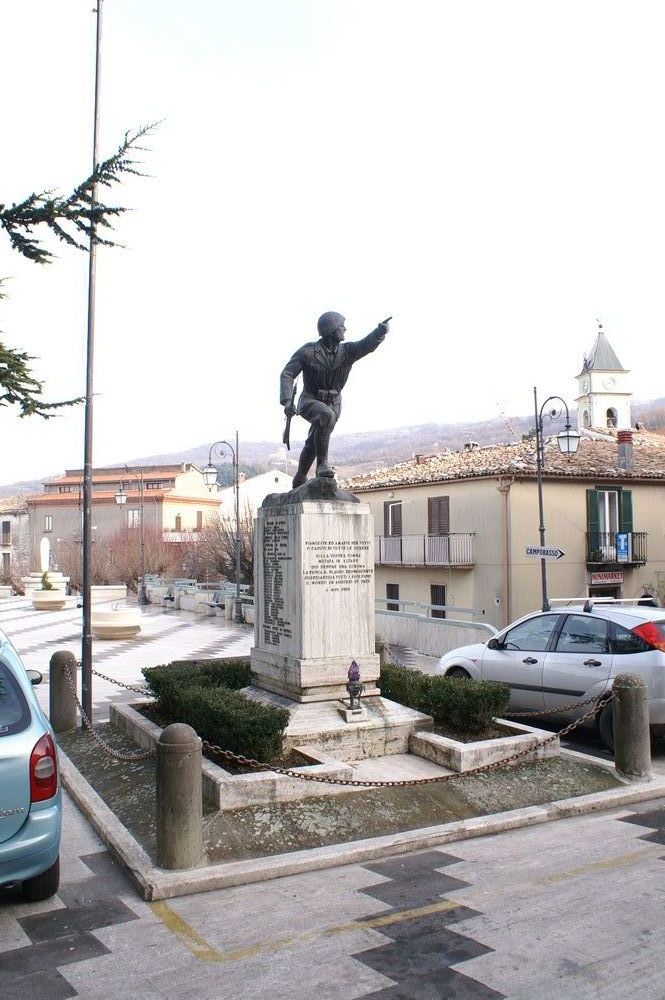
424	550
615	547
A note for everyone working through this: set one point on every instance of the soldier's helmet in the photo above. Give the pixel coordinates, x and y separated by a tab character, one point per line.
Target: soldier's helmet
329	322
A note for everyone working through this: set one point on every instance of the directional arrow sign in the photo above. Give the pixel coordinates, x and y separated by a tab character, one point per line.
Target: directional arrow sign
544	552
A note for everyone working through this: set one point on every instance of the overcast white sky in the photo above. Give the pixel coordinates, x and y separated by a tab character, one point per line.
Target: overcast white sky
490	173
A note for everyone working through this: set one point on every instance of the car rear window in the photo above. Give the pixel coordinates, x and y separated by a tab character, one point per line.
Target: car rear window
625	641
14	711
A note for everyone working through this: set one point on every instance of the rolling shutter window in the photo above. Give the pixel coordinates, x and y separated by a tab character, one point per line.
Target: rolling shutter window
626	510
438	516
392	594
437	596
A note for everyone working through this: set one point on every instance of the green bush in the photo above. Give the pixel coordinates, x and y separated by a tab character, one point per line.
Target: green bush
461	706
169	678
204	694
231	721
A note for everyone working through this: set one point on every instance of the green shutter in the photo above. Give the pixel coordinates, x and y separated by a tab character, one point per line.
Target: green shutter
593	525
592	512
626	511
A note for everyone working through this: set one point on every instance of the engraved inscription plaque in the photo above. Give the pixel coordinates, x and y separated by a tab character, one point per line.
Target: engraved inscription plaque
275	543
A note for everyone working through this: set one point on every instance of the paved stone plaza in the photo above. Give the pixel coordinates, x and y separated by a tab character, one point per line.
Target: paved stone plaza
165	635
571	909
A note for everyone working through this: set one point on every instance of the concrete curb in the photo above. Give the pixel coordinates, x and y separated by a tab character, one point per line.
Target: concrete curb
156	883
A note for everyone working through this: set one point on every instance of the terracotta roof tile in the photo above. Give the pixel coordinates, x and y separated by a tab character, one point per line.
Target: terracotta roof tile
597	457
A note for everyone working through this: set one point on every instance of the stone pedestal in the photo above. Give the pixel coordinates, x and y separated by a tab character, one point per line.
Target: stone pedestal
314	599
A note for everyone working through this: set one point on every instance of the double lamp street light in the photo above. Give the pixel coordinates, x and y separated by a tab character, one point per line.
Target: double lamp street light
568	441
121	500
210	479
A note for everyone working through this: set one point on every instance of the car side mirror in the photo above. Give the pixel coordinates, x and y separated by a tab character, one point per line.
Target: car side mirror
35	676
494	644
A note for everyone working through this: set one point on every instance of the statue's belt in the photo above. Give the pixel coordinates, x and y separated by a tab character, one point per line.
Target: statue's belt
327	395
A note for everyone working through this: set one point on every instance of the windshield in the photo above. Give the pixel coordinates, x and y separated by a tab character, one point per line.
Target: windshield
14	712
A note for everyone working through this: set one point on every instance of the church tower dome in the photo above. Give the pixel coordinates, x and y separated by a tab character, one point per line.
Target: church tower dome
603	400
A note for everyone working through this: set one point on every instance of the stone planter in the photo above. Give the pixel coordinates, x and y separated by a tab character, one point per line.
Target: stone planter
464	756
48	600
117	623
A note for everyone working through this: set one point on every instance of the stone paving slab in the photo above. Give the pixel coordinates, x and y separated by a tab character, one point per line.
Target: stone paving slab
155	883
557	911
165	635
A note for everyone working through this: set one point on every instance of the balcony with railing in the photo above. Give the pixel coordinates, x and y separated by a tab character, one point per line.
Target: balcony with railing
616	548
424	550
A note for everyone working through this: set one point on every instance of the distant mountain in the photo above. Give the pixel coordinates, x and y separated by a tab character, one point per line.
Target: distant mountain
356	453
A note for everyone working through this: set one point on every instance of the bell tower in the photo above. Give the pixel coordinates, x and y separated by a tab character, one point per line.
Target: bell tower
603	400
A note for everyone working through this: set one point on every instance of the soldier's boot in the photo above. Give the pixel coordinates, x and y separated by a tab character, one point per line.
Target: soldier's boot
322	442
304	464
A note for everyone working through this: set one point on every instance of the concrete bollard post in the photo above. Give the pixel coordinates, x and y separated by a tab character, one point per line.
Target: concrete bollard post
381	647
179	798
632	743
62	705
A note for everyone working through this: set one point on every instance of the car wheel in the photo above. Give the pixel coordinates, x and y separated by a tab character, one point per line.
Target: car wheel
606	726
459	672
42	886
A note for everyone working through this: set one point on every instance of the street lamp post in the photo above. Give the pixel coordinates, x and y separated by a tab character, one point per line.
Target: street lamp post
568	441
210	478
121	500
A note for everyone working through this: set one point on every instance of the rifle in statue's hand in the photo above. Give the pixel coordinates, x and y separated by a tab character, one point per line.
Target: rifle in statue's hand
289	413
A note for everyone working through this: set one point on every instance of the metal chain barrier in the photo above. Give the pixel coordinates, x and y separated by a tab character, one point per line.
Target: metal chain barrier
598	702
550	711
128	687
129	758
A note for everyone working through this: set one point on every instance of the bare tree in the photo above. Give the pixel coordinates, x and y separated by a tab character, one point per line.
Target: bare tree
117	559
213	554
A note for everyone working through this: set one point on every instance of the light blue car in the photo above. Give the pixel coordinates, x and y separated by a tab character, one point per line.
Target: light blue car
30	797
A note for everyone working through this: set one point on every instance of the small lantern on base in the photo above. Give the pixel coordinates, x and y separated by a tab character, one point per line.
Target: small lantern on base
354	687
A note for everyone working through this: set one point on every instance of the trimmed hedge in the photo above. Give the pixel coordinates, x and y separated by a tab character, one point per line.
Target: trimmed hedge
205	695
463	706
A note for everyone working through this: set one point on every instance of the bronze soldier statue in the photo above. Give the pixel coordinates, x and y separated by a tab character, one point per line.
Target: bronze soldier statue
325	365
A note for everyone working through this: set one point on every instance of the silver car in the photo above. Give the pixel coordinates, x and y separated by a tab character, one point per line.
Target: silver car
30	797
552	659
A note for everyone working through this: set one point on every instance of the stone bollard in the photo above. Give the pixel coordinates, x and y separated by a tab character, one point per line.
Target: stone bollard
381	647
62	705
179	798
632	743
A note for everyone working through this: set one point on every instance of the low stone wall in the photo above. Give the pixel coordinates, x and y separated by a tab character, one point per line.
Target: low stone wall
465	756
431	636
233	791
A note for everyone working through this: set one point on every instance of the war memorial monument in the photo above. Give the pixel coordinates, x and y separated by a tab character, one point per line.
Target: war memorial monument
314	577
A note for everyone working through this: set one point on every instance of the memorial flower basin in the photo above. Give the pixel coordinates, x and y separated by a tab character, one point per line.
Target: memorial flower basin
48	600
116	623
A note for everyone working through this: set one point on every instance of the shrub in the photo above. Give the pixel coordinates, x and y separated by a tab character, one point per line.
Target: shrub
231	721
462	706
204	694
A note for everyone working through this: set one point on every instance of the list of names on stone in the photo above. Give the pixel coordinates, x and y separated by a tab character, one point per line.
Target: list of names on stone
275	554
337	566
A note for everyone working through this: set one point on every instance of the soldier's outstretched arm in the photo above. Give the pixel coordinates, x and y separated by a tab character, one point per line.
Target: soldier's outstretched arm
359	348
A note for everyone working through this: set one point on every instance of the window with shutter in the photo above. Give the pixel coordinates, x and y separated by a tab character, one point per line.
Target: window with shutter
438	516
392	594
626	510
437	596
392	518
